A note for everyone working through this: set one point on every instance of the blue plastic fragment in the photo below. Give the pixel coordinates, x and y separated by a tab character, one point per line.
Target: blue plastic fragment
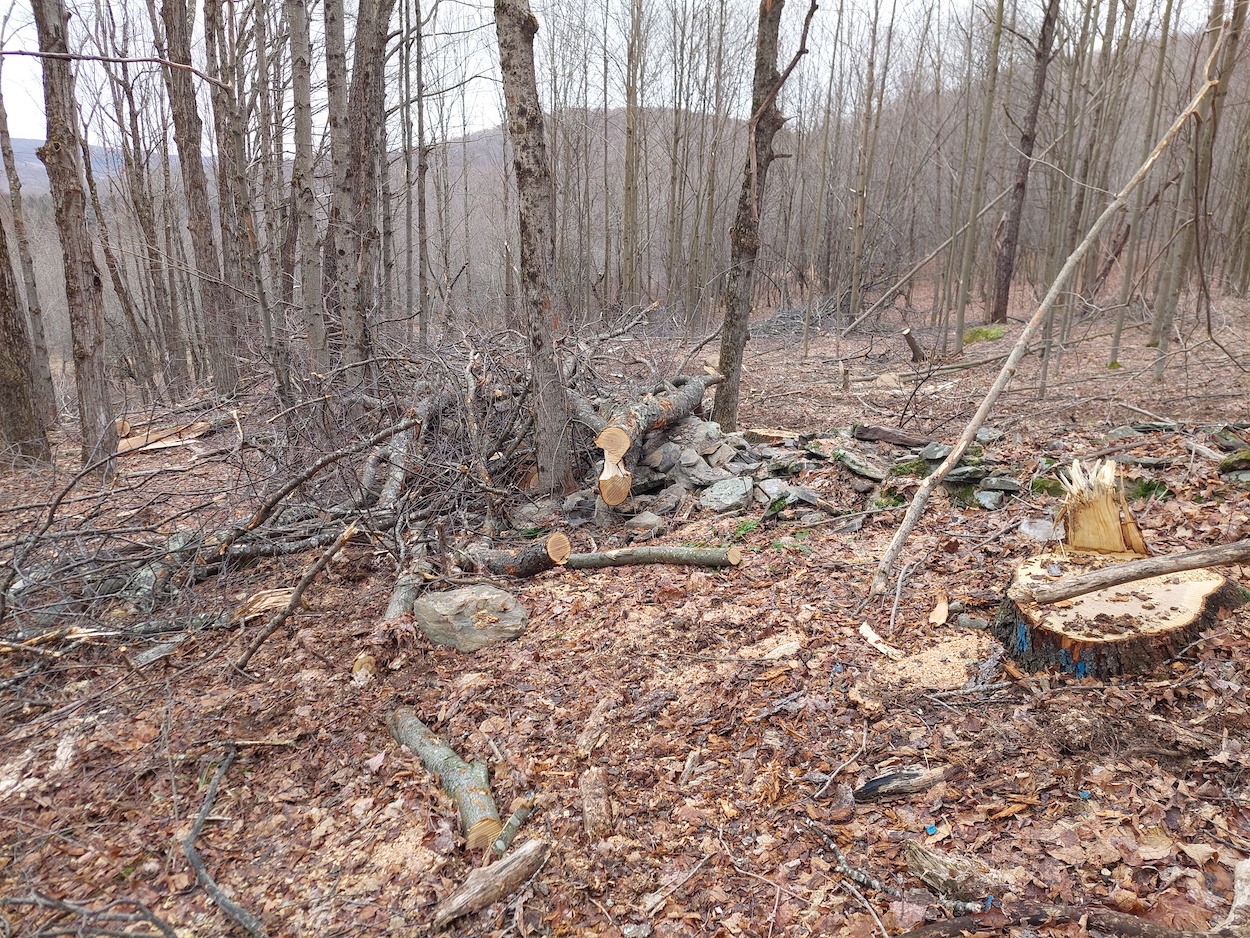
1085	794
931	830
989	903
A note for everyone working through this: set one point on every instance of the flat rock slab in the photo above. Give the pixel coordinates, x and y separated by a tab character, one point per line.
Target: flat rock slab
728	495
470	618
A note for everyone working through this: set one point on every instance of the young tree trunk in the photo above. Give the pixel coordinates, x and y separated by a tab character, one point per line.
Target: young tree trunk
515	27
21	427
302	181
1005	256
744	234
84	292
45	395
220	322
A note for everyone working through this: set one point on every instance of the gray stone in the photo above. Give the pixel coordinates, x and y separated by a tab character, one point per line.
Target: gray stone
707	437
721	456
700	474
646	524
990	501
962	475
690	457
774	489
1237	475
728	495
669	500
1001	484
935	452
989	435
664	457
1040	529
965	621
861	465
1122	433
470	618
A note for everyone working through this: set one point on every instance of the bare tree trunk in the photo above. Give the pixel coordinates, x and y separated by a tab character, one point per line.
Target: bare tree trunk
45	394
744	235
1005	259
84	292
21	427
312	303
515	27
221	324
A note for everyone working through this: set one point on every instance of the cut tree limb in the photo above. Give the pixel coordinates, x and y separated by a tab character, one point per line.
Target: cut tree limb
622	435
1132	571
880	580
538	561
537	557
466	783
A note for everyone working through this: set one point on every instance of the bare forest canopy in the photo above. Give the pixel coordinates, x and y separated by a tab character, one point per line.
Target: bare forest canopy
902	138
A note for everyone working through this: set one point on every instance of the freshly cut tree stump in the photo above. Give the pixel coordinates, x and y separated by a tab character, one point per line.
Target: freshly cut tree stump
1052	616
1123	629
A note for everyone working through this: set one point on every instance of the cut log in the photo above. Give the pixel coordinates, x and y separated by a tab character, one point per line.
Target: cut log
621	438
538	561
466	783
689	556
531	560
488	884
1087	611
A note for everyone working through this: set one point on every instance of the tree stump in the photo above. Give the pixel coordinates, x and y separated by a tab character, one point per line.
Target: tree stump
1129	625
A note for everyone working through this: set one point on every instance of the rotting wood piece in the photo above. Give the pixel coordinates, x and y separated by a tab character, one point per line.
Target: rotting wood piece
488	884
531	560
466	783
621	438
871	434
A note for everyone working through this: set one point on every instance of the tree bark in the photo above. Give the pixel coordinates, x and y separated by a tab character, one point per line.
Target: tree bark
21	426
1005	255
84	293
744	234
515	27
220	321
45	394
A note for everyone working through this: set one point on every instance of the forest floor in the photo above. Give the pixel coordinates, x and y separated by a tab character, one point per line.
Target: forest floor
728	709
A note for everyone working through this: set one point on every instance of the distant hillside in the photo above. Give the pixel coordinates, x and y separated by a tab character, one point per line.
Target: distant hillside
30	169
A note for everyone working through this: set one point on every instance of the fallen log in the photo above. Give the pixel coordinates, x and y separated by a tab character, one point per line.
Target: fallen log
488	884
531	560
541	558
621	437
466	783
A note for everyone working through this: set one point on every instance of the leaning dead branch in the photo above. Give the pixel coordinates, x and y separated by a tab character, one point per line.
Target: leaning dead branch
1131	572
297	596
880	581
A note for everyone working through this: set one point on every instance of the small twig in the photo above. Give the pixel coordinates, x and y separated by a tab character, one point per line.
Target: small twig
241	916
863	744
144	914
296	595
